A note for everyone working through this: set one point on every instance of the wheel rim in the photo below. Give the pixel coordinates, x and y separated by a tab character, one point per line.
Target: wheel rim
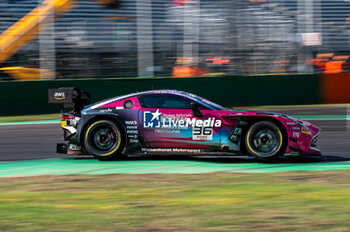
265	141
105	138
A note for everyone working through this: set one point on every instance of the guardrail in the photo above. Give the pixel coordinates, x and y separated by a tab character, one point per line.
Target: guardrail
30	97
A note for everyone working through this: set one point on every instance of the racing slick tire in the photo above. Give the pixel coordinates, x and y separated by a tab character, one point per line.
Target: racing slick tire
265	141
104	140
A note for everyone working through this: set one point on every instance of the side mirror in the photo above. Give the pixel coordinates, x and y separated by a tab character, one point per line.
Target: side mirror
196	109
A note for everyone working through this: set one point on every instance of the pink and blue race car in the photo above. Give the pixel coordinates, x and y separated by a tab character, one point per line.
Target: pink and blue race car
174	122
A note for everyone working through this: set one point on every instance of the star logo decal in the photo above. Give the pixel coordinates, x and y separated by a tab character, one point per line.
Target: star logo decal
156	115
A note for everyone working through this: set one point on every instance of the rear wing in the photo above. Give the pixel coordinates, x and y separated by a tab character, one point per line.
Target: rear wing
70	97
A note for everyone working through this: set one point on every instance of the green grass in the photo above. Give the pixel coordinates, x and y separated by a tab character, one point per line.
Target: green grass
30	118
308	201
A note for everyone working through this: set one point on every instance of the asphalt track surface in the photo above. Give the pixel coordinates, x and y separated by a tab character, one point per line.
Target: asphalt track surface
30	142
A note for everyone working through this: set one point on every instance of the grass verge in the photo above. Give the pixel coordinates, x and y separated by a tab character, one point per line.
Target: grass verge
26	118
308	201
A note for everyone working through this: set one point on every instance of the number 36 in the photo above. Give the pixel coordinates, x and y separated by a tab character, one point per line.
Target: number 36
202	130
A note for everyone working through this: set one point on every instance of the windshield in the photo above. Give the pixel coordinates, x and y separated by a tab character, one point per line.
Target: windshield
207	102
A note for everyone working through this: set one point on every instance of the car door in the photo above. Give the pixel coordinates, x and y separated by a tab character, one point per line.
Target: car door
168	122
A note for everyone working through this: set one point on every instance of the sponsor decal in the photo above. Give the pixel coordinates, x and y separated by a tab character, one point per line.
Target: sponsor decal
119	108
131	127
132	131
201	129
291	123
180	150
186	150
133	141
153	119
238	113
73	147
131	122
59	95
295	128
169	91
106	110
203	132
162	131
296	134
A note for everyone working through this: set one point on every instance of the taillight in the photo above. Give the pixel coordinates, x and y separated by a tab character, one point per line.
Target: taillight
64	123
69	120
67	116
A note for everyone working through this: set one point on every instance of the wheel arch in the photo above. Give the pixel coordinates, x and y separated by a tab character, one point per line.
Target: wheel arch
253	119
102	117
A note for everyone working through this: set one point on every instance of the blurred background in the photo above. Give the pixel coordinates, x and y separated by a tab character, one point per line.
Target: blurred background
56	39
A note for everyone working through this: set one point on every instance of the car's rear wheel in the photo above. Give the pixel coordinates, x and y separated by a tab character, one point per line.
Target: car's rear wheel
265	140
104	140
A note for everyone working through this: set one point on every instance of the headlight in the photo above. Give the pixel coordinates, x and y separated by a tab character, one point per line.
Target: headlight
305	131
314	141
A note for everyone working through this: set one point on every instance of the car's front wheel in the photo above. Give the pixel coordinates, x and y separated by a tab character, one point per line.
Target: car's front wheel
104	140
265	140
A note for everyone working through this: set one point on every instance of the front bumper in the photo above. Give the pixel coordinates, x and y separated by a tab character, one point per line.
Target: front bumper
305	143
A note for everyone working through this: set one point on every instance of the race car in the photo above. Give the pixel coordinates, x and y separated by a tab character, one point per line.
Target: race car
167	122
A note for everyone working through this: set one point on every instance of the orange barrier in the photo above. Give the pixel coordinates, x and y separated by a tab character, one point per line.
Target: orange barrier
319	63
334	66
335	88
325	56
188	71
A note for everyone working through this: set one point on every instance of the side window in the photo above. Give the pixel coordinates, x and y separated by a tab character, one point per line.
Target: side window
164	101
